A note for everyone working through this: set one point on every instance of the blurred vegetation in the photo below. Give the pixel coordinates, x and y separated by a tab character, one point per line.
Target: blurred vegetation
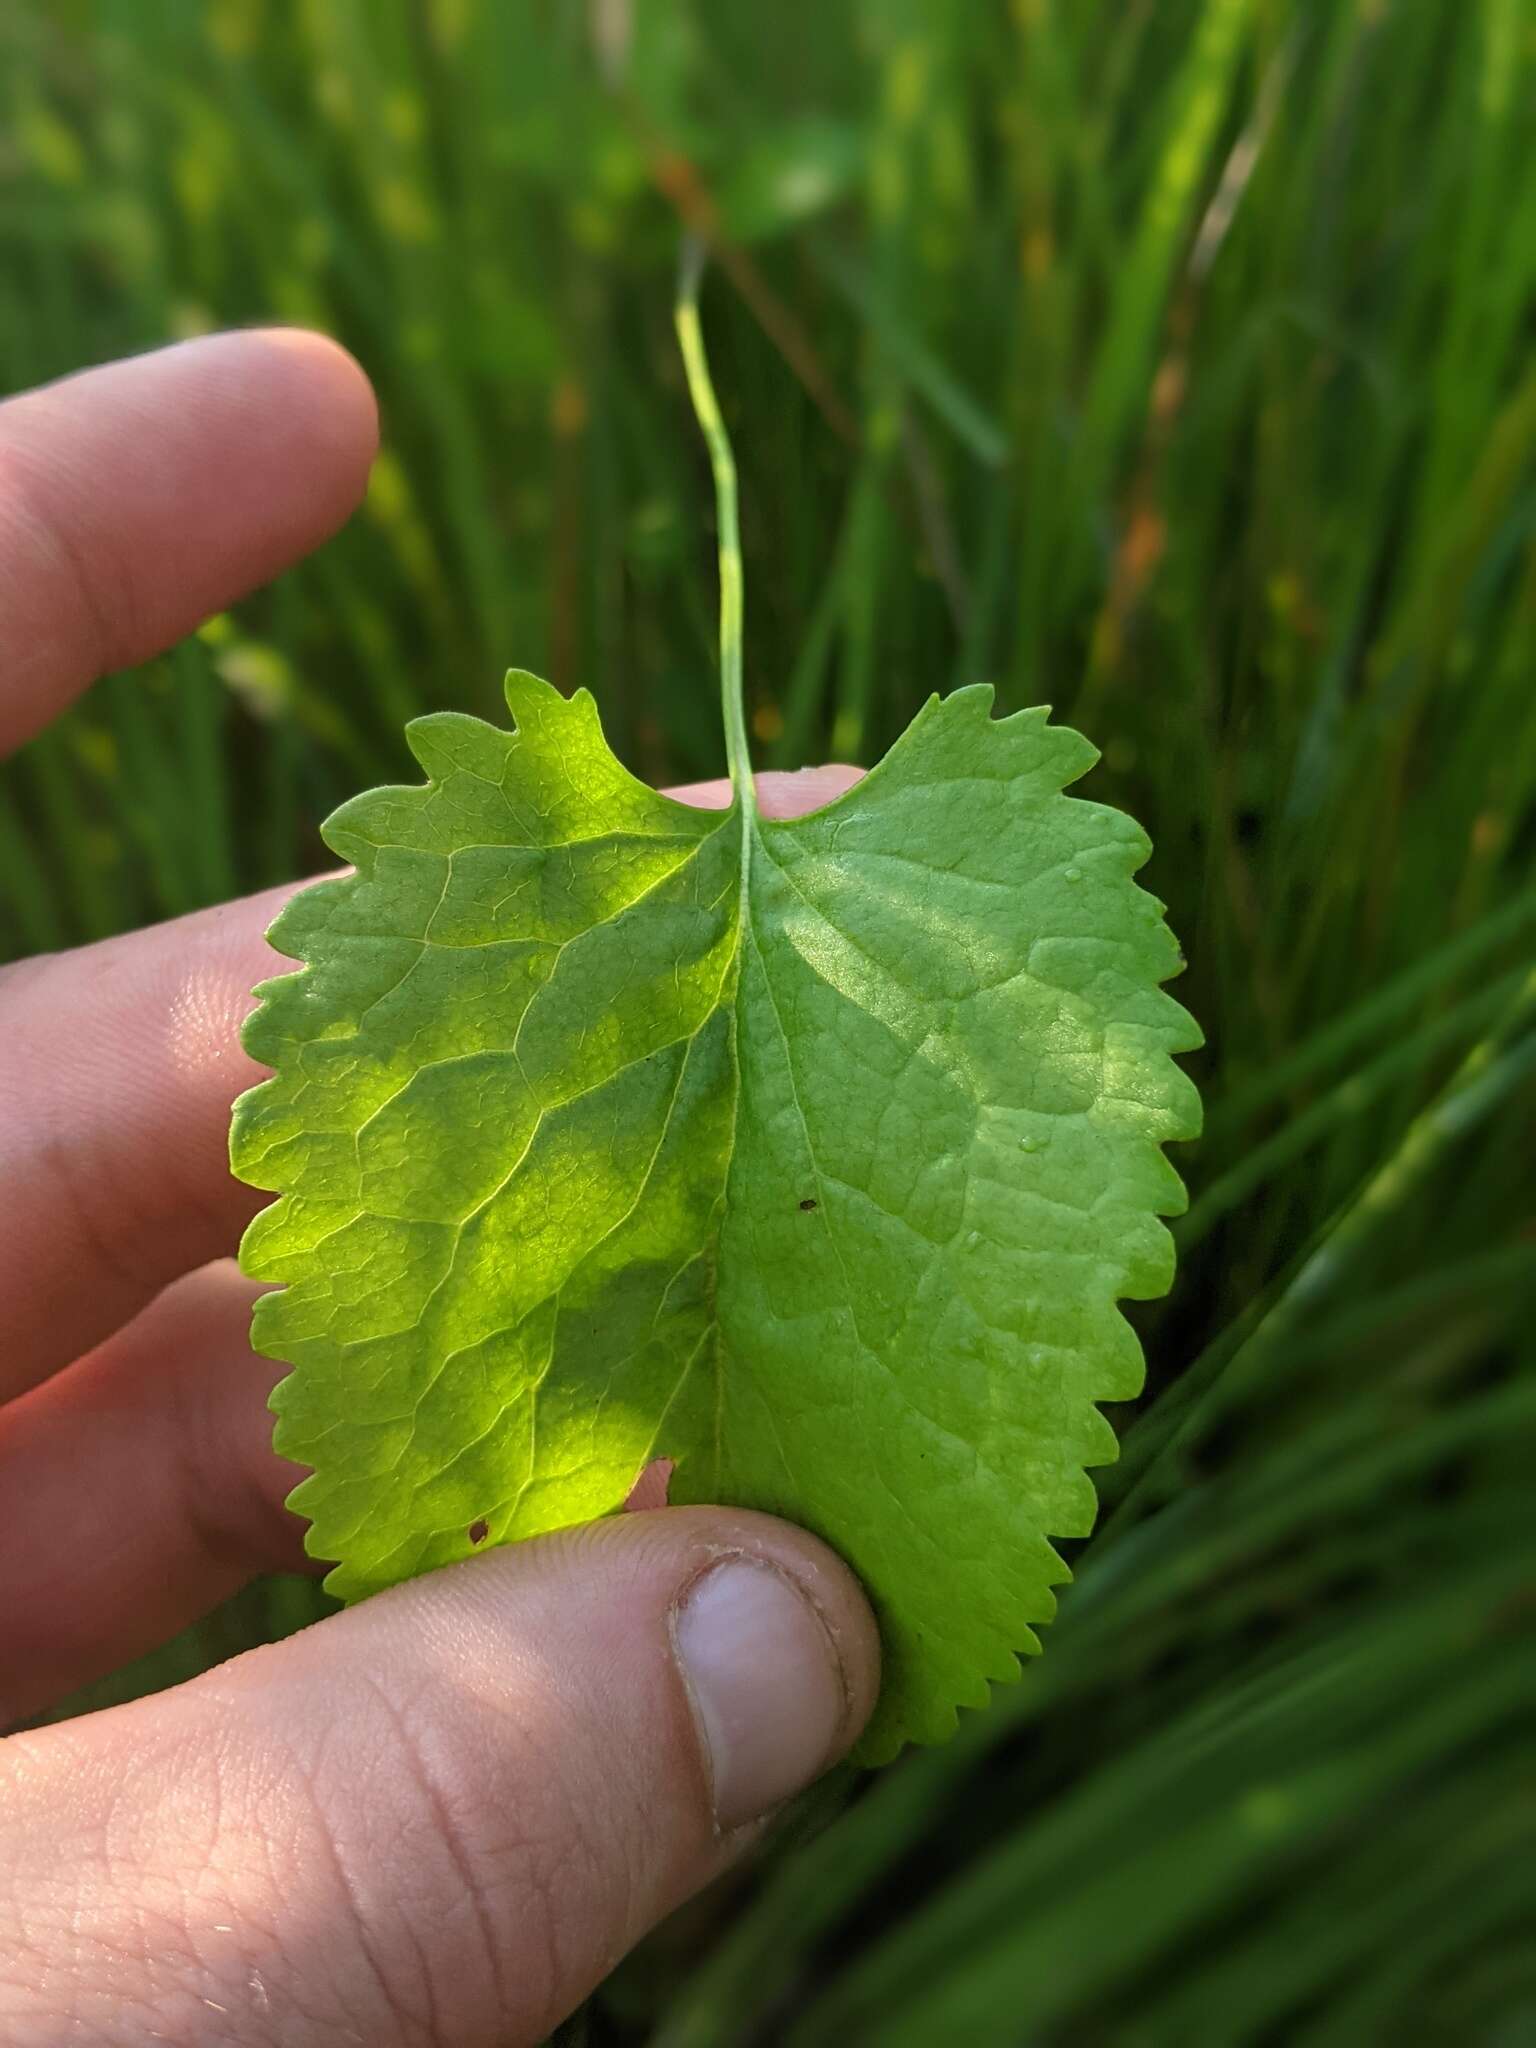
1170	361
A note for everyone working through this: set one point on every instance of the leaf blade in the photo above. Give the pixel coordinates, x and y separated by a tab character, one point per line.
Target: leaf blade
810	1155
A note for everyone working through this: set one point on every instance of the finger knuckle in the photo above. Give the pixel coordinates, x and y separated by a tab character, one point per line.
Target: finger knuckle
459	1901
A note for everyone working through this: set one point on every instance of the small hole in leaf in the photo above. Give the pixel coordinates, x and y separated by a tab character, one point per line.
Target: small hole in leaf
478	1531
809	1202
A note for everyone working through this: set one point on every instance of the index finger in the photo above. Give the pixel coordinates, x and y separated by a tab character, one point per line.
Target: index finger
138	498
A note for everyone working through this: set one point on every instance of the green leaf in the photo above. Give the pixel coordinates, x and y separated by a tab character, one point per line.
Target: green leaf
810	1155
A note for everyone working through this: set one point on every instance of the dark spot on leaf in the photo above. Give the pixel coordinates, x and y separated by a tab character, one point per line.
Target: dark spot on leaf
478	1531
809	1202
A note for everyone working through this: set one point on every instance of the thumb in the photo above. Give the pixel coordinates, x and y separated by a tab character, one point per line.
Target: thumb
442	1816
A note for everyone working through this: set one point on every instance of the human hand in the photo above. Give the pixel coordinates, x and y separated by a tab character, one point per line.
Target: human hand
443	1815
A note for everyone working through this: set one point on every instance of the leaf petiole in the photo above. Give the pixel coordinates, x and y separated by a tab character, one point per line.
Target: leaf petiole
707	411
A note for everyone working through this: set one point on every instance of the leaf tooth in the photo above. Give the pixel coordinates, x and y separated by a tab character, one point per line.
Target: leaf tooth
537	705
450	742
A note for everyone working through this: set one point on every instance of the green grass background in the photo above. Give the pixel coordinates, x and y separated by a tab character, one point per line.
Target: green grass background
1166	360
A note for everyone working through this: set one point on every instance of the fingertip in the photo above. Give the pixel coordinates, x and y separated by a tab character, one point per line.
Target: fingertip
823	1579
781	792
143	495
332	396
780	1657
793	793
300	397
775	1642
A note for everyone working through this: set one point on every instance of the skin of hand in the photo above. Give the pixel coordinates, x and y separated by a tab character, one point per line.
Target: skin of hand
444	1815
